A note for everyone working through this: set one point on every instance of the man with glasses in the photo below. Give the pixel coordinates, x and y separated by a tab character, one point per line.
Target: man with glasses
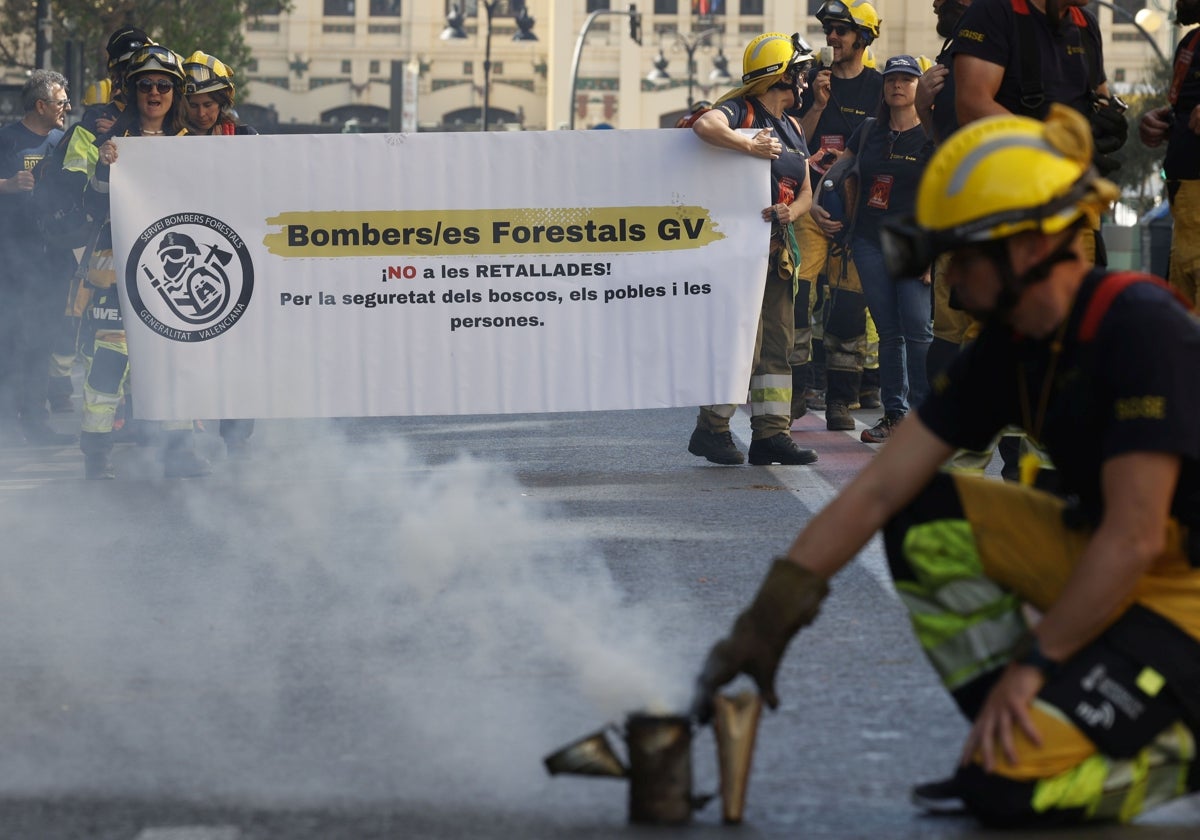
839	98
32	277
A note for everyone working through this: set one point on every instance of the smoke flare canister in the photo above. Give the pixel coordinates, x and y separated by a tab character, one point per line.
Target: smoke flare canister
660	768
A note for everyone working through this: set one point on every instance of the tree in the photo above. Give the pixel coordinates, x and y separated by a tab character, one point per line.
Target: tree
214	26
1140	177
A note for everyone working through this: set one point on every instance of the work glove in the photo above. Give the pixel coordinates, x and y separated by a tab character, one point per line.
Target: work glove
788	599
1110	128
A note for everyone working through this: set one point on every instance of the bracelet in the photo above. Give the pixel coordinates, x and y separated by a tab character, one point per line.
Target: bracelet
1028	651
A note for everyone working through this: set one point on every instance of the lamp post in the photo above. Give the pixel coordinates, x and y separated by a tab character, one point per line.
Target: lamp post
635	33
689	43
454	31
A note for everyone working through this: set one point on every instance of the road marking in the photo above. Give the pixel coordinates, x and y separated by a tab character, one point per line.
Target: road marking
816	493
190	832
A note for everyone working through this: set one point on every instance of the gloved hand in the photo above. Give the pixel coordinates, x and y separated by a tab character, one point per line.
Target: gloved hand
1110	129
1106	164
789	598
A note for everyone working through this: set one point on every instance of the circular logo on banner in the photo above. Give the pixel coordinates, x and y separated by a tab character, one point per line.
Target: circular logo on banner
189	277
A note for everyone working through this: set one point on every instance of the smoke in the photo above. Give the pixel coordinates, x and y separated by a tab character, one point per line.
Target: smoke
348	624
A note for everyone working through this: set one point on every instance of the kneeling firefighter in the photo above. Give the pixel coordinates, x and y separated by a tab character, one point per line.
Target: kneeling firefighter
1092	712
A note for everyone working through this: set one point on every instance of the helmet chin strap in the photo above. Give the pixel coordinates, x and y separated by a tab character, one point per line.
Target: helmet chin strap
1012	285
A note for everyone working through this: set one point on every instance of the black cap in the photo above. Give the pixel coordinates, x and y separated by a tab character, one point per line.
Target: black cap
125	40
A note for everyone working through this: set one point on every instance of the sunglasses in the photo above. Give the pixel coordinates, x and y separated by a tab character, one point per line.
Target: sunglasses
147	85
841	29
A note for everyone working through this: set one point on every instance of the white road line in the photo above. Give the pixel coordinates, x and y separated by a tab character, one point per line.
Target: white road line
818	492
190	832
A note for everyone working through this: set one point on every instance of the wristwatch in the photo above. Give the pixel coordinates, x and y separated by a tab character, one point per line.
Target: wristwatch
1028	651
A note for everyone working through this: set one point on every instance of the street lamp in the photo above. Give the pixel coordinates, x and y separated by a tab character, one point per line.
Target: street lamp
635	33
689	44
1142	23
454	31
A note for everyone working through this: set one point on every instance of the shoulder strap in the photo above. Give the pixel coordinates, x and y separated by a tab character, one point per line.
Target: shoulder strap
1111	285
748	121
1033	95
1183	63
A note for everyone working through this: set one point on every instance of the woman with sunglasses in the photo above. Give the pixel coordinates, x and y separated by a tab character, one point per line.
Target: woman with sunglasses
155	108
893	155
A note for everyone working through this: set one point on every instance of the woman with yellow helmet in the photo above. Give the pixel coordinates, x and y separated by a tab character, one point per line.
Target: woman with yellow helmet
154	85
210	96
1090	713
774	68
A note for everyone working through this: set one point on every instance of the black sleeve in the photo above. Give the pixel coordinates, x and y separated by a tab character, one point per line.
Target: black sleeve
1148	349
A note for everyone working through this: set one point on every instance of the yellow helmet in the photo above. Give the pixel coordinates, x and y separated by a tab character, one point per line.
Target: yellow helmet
997	177
857	13
925	62
771	56
206	73
154	58
869	58
98	92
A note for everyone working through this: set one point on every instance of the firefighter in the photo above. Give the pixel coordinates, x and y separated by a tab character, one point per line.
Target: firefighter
155	91
838	100
773	67
1090	712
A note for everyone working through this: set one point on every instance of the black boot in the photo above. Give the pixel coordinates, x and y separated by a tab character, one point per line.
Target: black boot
97	452
779	449
717	447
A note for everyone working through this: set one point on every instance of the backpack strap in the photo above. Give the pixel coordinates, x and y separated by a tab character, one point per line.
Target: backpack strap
1111	285
1033	94
1183	63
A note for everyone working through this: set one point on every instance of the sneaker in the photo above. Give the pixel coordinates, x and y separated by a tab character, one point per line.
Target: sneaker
814	399
184	463
882	430
779	449
716	447
837	418
96	465
870	399
940	797
40	434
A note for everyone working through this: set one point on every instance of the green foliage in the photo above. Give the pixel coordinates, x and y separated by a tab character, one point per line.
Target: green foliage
214	26
1139	176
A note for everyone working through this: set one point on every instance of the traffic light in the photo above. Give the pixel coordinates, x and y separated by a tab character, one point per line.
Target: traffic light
635	24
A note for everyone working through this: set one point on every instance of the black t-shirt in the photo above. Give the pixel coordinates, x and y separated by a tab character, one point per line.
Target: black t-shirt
20	149
1132	388
850	102
945	118
890	167
989	31
1183	144
789	170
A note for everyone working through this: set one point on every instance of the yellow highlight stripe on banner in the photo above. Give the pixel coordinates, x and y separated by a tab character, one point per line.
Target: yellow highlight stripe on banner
523	231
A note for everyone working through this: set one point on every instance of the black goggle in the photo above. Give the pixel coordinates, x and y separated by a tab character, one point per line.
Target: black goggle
160	85
909	249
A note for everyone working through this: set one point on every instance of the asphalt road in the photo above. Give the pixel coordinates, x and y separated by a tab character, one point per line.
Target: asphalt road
378	629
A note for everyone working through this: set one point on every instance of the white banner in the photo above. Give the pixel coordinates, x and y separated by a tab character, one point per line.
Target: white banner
422	274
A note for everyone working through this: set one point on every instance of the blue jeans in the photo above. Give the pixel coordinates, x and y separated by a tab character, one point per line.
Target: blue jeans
902	311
